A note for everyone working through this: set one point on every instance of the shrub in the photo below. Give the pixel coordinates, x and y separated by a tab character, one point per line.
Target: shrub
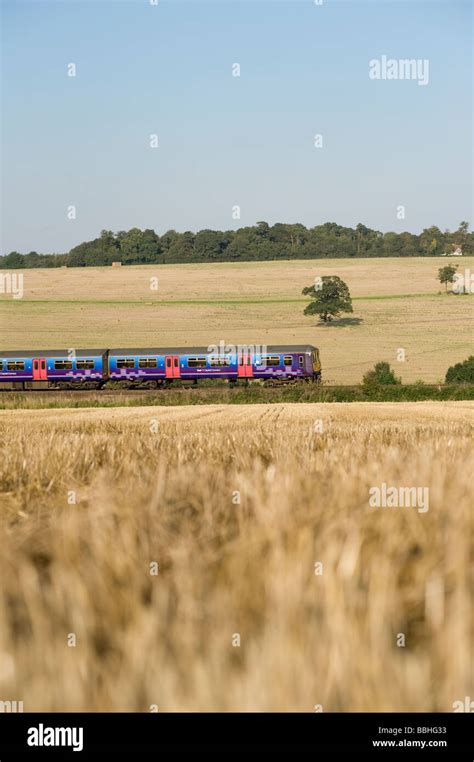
462	372
381	375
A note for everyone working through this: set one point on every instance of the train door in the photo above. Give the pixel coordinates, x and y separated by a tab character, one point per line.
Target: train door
172	369
39	369
244	365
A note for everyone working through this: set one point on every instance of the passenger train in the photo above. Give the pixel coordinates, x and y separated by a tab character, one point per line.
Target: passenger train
135	368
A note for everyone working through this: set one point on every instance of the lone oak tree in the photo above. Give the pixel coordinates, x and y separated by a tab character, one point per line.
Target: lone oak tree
329	297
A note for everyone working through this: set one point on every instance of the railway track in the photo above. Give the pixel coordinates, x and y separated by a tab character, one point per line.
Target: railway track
194	390
223	395
170	389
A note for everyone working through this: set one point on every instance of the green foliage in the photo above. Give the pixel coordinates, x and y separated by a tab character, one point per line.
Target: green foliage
329	298
14	260
446	274
181	248
381	375
257	242
102	251
137	247
462	372
242	395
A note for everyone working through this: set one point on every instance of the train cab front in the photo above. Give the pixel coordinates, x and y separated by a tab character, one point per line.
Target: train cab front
316	365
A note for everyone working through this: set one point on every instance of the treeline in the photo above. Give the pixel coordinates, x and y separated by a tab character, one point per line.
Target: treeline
259	242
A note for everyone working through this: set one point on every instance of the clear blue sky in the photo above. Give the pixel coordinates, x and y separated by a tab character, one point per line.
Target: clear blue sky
224	140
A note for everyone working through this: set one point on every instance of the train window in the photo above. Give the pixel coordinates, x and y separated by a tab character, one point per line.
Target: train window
15	365
125	362
301	361
63	365
196	362
147	362
84	364
288	360
270	361
219	362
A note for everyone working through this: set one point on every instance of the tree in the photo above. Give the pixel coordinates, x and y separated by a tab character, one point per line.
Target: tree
32	259
139	246
13	261
462	372
209	245
381	374
150	247
243	245
130	244
101	251
77	256
167	239
330	296
263	229
446	274
431	241
392	245
288	239
182	248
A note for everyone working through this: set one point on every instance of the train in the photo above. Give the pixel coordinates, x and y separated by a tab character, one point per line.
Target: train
157	367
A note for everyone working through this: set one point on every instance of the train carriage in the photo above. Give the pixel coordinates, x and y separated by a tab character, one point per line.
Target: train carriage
193	363
64	368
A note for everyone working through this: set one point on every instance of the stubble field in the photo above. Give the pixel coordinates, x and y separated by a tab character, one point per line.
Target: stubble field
277	586
398	304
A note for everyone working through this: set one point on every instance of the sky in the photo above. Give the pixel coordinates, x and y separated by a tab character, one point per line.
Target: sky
393	154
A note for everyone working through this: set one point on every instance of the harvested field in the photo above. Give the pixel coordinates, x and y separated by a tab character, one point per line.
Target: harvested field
398	304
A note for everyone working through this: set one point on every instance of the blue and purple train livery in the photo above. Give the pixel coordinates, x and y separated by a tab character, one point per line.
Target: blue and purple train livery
156	366
43	369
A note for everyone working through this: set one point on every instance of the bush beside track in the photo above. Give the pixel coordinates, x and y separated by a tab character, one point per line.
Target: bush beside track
239	395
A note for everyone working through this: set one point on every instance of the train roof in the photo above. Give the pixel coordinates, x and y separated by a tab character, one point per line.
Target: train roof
52	353
303	348
28	353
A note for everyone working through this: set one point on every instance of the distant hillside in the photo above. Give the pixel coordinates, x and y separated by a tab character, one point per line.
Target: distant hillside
259	242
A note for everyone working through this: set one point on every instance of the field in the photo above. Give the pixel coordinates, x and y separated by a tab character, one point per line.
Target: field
398	304
275	587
